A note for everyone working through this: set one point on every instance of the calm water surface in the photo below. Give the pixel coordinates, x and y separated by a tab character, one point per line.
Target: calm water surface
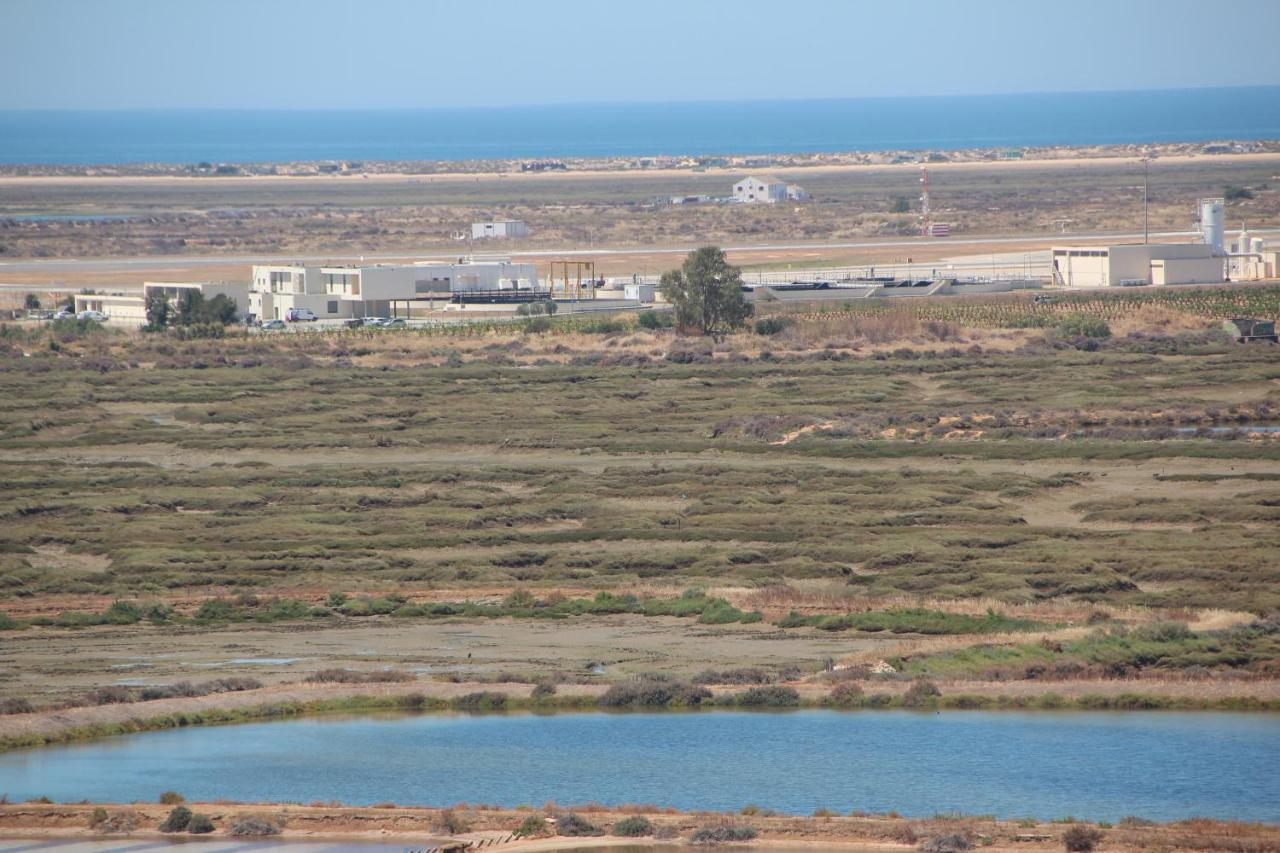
1101	766
602	130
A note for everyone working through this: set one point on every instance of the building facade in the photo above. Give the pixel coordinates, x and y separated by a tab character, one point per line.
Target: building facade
130	309
376	290
766	189
1137	264
499	229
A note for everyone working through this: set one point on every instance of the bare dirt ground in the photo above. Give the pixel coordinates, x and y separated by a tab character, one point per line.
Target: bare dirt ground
418	827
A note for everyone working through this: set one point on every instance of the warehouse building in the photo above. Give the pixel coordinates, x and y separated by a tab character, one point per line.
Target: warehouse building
1138	264
376	290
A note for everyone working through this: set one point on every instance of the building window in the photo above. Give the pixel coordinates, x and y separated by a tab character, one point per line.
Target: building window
333	306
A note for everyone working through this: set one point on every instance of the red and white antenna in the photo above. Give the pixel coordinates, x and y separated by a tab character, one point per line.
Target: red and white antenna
924	201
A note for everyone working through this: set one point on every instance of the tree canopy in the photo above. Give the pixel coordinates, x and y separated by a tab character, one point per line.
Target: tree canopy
707	293
189	309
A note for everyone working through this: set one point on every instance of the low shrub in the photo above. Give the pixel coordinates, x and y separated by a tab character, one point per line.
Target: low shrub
171	798
768	697
450	822
653	692
99	816
483	700
950	842
573	825
178	820
1081	839
655	319
543	690
350	676
200	825
722	833
531	826
846	695
740	675
15	706
921	693
635	826
253	826
771	325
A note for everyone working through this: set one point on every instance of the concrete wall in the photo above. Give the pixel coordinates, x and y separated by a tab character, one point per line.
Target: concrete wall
121	309
1138	264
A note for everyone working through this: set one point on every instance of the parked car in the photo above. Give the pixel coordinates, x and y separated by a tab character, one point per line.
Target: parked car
395	323
273	325
305	315
95	316
376	322
64	314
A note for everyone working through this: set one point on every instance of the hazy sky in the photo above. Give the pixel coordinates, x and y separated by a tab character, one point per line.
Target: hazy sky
423	53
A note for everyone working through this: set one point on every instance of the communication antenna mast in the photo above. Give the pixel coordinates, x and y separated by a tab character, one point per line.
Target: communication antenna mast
924	201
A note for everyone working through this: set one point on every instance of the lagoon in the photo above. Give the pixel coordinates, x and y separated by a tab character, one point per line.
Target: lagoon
1097	766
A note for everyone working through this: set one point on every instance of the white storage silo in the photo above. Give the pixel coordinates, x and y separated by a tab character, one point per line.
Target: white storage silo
1211	222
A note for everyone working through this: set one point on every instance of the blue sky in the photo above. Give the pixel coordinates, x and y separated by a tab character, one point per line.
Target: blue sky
124	54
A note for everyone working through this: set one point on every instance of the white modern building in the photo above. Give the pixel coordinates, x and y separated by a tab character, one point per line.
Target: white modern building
766	189
376	290
499	229
130	309
1137	264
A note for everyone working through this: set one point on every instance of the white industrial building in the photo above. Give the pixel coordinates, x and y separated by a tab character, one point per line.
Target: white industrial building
1148	263
767	189
130	309
341	292
499	229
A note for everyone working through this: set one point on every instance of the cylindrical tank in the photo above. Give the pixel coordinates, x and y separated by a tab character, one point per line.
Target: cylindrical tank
1211	222
1243	242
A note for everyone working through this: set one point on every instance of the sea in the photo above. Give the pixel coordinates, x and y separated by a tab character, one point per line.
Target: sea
639	129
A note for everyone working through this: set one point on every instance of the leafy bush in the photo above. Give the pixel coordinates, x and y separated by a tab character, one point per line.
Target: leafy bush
921	693
254	826
655	320
16	706
768	697
1081	839
771	325
543	690
171	798
200	825
653	692
1080	326
531	826
722	833
845	695
573	825
178	820
633	827
99	816
483	700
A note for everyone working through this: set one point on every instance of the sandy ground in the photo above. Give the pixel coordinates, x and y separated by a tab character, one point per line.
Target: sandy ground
417	828
534	178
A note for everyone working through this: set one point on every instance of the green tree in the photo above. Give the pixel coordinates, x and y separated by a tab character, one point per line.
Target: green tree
900	205
31	302
707	293
158	311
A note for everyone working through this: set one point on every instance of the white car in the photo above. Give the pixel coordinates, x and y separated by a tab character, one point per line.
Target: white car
95	316
295	315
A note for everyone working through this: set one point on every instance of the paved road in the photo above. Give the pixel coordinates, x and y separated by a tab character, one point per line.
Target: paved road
43	266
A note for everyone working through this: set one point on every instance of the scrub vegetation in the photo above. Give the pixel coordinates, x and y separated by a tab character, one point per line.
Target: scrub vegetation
973	489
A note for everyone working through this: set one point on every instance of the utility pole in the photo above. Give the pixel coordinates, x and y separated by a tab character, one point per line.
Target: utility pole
1146	163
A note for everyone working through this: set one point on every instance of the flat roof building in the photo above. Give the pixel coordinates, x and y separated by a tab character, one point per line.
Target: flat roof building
499	229
373	290
130	309
1137	264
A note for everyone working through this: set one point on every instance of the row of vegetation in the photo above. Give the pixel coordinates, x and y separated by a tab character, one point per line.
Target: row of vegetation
522	604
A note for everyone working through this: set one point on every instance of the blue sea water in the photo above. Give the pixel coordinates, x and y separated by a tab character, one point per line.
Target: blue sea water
592	130
1100	766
